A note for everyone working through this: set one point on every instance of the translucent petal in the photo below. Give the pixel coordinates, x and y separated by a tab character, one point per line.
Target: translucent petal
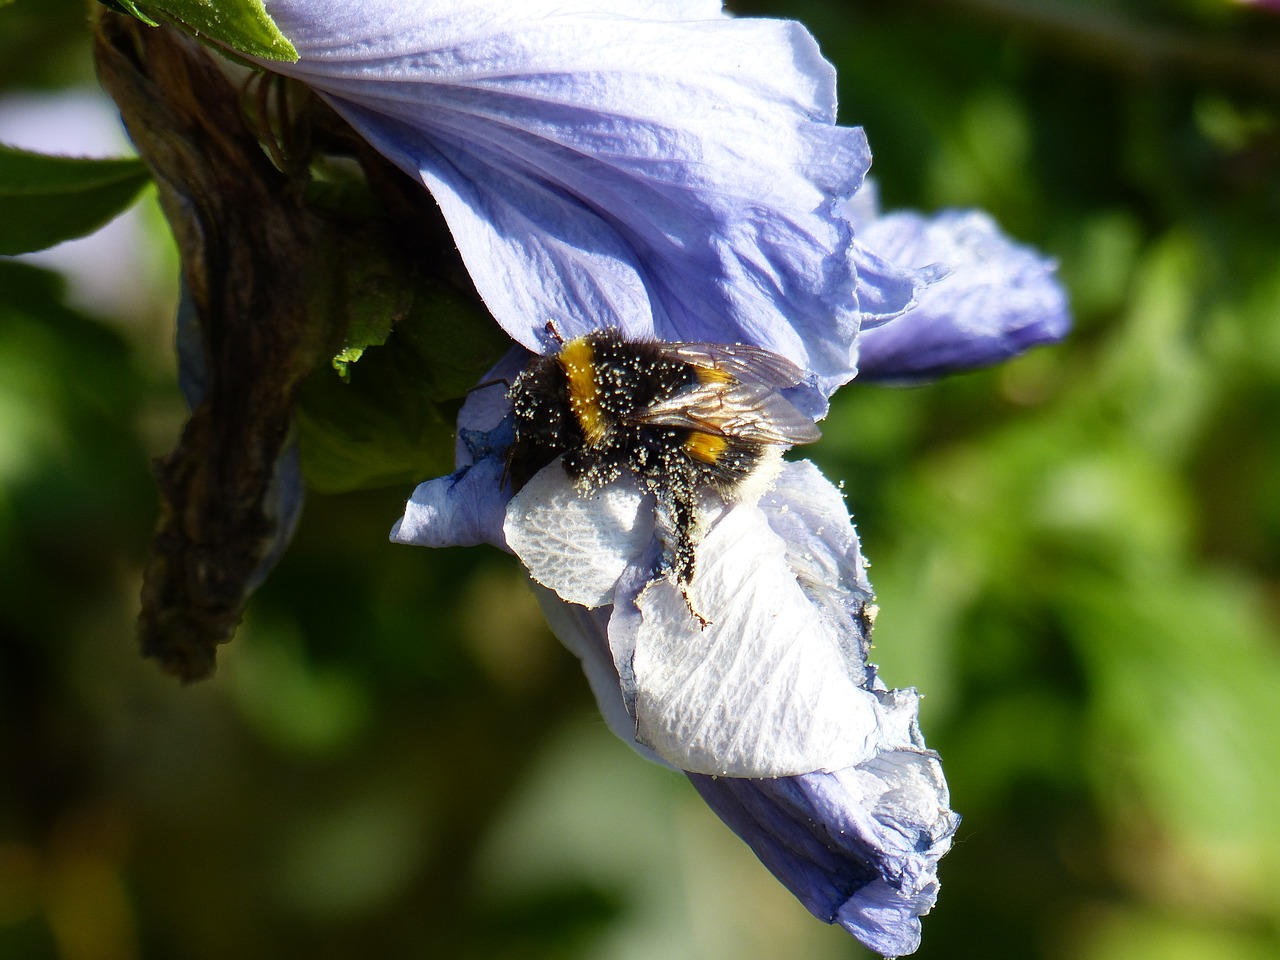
808	513
467	507
584	633
885	289
775	682
578	545
858	847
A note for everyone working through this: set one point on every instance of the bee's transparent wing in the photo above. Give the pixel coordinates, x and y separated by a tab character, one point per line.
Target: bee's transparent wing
747	411
739	396
745	363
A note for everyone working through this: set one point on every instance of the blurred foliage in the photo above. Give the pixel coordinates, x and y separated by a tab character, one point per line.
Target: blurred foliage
1077	556
46	200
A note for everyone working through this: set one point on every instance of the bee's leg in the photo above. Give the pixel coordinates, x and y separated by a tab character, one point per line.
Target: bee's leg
703	622
684	532
685	557
676	516
552	330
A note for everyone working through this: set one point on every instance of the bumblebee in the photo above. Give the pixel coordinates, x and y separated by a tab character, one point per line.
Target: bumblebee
682	418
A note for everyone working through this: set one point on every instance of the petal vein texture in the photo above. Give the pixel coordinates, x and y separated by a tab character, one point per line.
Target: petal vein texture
655	167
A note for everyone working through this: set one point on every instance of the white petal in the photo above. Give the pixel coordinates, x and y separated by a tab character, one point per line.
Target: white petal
765	689
578	545
584	634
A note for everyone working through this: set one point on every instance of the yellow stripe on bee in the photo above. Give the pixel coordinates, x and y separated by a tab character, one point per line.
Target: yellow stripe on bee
706	447
577	359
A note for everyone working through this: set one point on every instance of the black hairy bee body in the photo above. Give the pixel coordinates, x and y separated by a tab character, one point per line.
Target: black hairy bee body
680	417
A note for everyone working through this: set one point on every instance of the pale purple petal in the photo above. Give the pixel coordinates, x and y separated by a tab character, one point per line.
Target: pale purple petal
885	289
858	847
467	507
460	510
622	165
999	299
484	429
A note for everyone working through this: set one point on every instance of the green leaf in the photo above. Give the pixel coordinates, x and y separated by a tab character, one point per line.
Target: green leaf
126	7
389	419
374	431
45	200
243	25
372	320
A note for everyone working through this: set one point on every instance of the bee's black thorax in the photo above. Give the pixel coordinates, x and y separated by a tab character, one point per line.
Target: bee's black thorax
631	376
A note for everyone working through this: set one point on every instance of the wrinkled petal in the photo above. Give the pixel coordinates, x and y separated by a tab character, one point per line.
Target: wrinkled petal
286	492
282	507
860	846
774	683
765	688
620	165
885	289
584	633
999	299
484	427
808	513
467	507
578	545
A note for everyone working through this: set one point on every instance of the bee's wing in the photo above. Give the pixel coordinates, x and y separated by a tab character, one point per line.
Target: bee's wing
743	362
747	411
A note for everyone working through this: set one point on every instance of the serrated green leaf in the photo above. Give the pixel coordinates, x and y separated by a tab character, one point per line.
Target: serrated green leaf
243	25
343	359
445	341
45	199
451	341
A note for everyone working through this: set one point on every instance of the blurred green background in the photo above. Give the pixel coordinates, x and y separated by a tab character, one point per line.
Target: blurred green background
1077	557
